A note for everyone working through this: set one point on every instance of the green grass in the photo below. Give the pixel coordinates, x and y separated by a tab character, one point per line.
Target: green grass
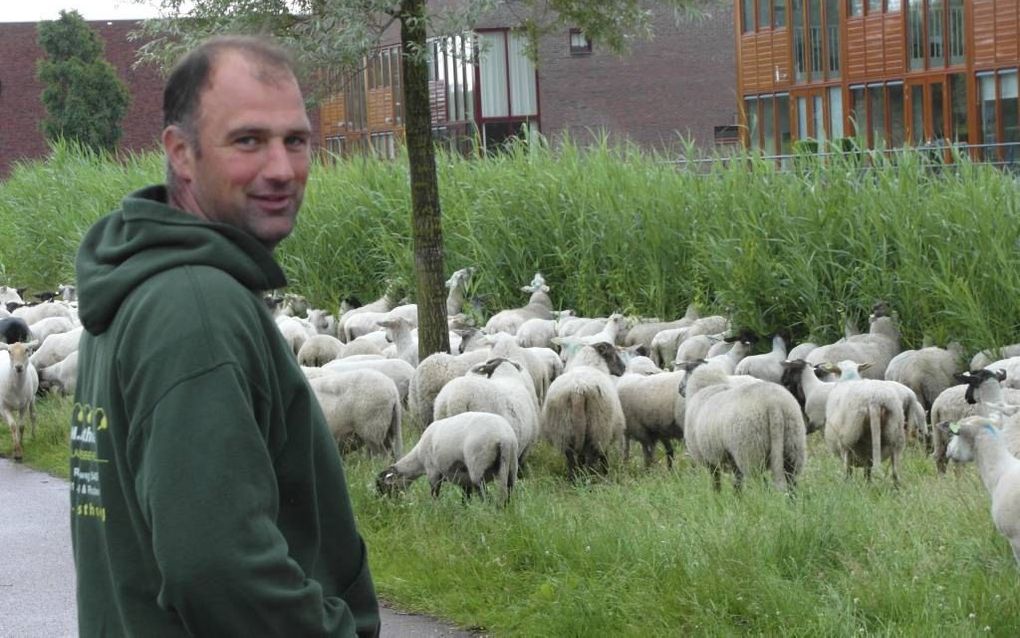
658	553
647	553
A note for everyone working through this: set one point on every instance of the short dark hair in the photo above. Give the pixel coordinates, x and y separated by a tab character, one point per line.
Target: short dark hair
190	76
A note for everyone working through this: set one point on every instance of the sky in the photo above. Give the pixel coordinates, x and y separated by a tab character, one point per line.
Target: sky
36	10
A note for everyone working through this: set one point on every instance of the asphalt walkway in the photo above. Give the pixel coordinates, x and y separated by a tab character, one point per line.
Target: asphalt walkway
37	570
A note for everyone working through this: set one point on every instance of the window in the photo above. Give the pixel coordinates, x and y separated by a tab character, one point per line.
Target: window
832	32
876	106
799	51
580	44
836	112
751	114
936	34
778	13
383	145
747	15
958	107
897	118
335	145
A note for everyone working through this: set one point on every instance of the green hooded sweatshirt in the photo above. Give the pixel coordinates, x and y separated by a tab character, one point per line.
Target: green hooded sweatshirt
207	494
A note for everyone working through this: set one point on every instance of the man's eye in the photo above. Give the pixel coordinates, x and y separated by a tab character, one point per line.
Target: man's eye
296	141
247	141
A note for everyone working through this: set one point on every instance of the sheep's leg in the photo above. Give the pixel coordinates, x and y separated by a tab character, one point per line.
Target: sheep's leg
847	470
716	479
894	466
941	459
738	481
649	449
571	464
12	423
877	415
435	485
626	449
31	415
666	443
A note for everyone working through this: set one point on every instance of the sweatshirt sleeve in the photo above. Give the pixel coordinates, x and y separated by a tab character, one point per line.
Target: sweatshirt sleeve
206	485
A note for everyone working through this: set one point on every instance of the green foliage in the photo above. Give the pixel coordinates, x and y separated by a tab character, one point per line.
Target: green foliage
84	99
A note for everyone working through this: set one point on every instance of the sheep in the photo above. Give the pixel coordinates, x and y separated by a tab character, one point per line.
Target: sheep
547	365
383	304
51	325
609	332
1011	366
535	333
9	295
370	344
768	366
399	371
877	347
695	348
434	372
468	449
986	357
361	407
980	395
367	322
811	392
500	386
14	329
405	344
913	412
19	382
56	348
865	424
295	331
319	350
665	344
800	350
727	362
643	333
323	322
61	376
928	371
582	416
457	283
649	410
976	438
539	306
743	424
32	314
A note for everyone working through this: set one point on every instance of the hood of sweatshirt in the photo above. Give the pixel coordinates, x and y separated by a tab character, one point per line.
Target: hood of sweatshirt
146	236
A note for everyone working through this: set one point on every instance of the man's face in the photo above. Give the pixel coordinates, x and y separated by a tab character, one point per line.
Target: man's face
250	164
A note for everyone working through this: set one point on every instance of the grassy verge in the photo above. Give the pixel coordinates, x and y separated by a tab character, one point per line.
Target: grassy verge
659	553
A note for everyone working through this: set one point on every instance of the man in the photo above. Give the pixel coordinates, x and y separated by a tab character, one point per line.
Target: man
208	497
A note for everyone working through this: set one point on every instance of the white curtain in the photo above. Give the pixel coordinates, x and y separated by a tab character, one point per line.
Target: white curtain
523	99
492	68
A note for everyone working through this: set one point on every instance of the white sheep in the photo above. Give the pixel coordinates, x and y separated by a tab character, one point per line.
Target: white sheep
61	376
811	392
978	439
468	449
865	424
876	347
361	407
928	371
980	395
539	306
323	322
319	350
457	283
499	386
986	357
695	348
744	425
1011	366
371	344
582	416
19	382
434	372
399	371
56	348
649	409
50	326
383	304
368	322
295	331
768	366
400	332
32	314
643	332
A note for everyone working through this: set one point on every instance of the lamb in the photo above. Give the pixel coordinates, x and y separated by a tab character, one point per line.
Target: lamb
361	407
61	376
367	322
744	425
19	382
981	395
928	371
865	424
468	449
457	283
539	306
319	350
977	439
649	410
405	343
877	347
767	367
582	416
434	372
500	386
399	371
56	348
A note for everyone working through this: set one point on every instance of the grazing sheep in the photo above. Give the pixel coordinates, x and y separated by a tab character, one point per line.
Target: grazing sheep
978	439
768	366
361	407
14	329
368	322
649	410
500	386
643	333
539	306
19	382
582	416
980	395
984	358
743	425
383	304
865	424
61	376
56	348
434	372
399	371
928	371
319	350
468	449
695	348
877	347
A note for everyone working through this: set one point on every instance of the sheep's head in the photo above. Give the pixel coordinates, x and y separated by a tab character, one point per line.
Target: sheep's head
390	482
745	336
611	356
792	371
19	353
975	378
964	432
460	278
489	367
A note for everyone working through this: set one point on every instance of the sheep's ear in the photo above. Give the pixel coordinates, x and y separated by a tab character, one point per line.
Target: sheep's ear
4	345
962	377
864	366
1000	375
32	345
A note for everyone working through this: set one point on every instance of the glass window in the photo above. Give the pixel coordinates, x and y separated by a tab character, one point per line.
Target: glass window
832	33
579	43
815	37
936	52
958	107
988	123
892	6
897	124
778	13
836	112
802	119
799	53
751	113
783	117
858	113
938	110
523	99
915	33
876	99
917	135
957	33
1010	114
768	126
874	6
819	118
763	14
856	7
492	67
747	15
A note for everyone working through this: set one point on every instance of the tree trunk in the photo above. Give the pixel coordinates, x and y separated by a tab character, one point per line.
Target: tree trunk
426	222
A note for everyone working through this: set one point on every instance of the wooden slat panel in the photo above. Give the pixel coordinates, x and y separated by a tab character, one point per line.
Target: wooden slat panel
333	115
781	58
856	50
748	62
984	32
895	51
875	52
380	107
764	66
1005	32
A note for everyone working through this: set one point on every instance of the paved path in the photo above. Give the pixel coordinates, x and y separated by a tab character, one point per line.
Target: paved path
37	570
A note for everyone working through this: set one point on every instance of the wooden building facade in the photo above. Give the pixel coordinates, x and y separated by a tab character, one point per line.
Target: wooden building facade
889	73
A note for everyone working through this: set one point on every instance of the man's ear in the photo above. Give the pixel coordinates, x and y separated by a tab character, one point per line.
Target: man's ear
179	152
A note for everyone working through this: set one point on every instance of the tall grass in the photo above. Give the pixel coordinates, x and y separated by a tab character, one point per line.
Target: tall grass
613	228
647	553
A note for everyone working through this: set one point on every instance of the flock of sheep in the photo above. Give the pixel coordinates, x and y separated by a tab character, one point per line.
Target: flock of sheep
589	386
